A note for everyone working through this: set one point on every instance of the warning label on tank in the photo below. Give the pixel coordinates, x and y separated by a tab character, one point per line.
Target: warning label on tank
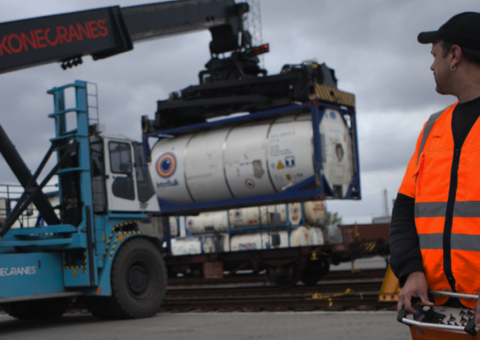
290	161
280	150
278	146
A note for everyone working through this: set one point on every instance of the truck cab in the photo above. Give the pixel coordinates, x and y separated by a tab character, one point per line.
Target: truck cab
120	177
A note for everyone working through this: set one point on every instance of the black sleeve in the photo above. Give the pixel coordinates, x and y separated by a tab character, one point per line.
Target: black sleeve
405	255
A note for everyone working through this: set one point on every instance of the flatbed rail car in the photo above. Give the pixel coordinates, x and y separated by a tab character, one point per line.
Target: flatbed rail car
286	266
283	266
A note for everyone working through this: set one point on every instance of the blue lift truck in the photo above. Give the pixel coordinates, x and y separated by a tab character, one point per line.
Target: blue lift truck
93	248
96	250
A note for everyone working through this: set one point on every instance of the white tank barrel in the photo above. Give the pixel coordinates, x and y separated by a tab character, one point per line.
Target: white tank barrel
251	159
299	237
173	222
241	242
314	212
208	222
189	246
194	245
216	222
246	217
316	236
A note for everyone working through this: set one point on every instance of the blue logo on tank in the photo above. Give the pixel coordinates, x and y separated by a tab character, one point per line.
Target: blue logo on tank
333	115
166	165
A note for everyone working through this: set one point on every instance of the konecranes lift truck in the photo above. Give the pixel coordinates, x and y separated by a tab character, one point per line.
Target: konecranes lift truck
94	250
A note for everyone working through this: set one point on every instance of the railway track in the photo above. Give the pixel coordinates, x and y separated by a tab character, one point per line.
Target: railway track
337	293
332	276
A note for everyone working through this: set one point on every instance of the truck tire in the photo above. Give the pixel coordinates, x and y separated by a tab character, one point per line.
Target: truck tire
139	282
37	309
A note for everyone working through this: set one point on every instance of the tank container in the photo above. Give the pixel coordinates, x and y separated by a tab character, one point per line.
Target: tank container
251	159
314	212
298	237
173	226
208	222
246	217
316	236
194	245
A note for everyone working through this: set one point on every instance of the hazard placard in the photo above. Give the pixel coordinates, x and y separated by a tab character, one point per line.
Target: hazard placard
280	165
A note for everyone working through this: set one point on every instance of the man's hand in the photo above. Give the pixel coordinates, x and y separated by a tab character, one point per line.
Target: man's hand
416	286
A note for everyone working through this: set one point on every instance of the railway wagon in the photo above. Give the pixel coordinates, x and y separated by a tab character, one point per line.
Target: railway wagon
302	247
233	242
206	255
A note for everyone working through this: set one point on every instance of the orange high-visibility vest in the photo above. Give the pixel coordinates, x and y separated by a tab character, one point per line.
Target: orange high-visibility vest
445	182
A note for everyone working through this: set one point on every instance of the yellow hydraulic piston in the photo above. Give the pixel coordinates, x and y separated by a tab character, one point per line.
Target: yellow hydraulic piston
390	287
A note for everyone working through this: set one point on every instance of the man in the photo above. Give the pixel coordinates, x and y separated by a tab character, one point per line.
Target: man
435	231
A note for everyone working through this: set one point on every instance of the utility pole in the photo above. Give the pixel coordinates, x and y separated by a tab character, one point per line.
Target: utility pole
385	203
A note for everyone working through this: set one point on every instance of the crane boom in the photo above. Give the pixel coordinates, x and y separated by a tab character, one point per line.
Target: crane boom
108	31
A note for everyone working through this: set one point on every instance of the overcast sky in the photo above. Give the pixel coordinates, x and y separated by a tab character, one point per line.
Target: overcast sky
371	44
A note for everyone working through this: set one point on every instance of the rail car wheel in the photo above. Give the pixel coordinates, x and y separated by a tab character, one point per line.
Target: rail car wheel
314	271
284	276
139	282
37	309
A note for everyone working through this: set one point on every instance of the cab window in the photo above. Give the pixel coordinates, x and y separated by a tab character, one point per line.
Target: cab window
120	158
145	189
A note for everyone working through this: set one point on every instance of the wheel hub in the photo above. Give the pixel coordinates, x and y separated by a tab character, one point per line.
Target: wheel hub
137	279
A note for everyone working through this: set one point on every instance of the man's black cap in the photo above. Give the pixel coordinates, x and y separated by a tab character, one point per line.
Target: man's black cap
463	30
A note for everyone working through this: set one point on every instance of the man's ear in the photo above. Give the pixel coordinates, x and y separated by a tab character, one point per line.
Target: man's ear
456	52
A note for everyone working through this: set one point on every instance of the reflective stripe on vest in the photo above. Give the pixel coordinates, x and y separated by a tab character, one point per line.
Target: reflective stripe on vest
428	128
438	209
458	241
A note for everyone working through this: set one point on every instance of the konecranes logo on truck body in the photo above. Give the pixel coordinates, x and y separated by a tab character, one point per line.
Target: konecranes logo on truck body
39	38
8	271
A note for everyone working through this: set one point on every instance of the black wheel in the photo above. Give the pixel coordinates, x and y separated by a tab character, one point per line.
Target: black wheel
37	309
139	282
285	276
314	271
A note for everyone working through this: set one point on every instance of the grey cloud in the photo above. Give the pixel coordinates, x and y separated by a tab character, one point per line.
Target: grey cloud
371	44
